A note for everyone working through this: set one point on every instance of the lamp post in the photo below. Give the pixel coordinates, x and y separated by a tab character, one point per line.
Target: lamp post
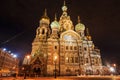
28	60
114	65
55	58
27	63
15	68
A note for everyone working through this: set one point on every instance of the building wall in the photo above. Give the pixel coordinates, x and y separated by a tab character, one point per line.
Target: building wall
70	59
7	62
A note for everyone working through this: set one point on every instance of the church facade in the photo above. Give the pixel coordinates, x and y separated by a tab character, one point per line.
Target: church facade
63	48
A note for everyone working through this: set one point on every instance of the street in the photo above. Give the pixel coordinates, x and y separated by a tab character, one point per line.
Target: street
65	78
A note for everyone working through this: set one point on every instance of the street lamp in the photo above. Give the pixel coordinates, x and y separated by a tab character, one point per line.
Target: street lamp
27	63
114	65
15	68
28	57
55	58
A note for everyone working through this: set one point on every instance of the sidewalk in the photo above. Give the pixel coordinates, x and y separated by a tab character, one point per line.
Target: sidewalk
65	78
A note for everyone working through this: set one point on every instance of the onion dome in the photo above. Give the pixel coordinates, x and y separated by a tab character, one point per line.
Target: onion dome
45	18
55	24
79	26
64	8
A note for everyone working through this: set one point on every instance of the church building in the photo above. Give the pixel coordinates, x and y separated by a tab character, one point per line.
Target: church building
63	48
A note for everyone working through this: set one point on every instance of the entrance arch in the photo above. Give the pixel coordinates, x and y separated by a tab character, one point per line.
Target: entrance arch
38	67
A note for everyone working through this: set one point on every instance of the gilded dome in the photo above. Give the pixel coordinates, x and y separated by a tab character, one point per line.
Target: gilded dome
64	8
45	18
55	24
80	27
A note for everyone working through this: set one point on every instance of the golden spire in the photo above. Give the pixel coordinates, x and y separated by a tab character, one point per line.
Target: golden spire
78	19
45	14
88	35
64	7
87	32
64	3
55	17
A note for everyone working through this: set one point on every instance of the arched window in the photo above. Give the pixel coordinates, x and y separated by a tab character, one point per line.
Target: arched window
66	47
55	47
71	48
43	31
76	59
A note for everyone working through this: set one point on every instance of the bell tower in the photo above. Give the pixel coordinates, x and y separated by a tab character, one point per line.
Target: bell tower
43	31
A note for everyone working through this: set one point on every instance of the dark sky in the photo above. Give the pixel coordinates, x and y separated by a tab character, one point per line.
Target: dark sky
20	18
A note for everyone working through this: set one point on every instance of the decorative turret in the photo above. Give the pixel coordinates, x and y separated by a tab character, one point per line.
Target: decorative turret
80	28
64	9
45	19
55	26
88	35
65	21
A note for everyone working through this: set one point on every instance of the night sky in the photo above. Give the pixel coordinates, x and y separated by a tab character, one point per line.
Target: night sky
20	18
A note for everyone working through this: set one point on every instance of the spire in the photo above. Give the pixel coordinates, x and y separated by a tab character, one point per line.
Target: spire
55	17
45	14
64	7
64	2
78	19
87	32
88	35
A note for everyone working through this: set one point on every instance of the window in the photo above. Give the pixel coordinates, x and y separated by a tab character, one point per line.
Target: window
80	47
71	60
80	52
71	48
76	59
75	48
55	47
85	48
68	70
66	47
86	60
43	31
